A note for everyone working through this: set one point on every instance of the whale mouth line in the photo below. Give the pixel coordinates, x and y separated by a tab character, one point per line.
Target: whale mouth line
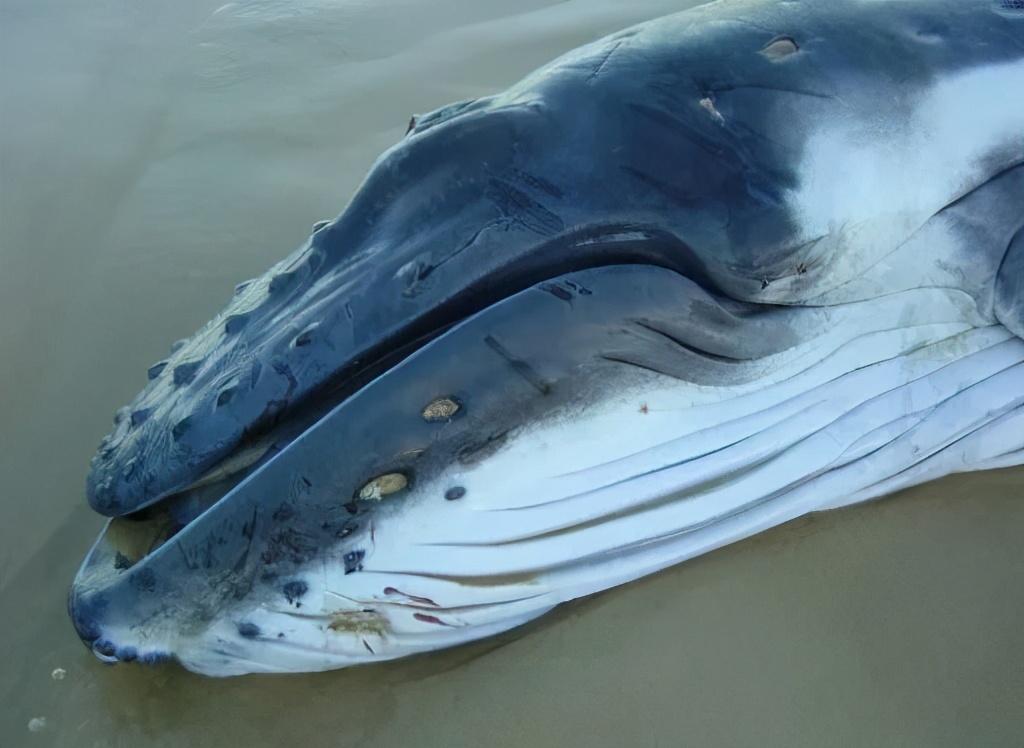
140	532
579	248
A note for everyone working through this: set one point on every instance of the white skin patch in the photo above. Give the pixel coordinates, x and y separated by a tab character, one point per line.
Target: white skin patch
870	182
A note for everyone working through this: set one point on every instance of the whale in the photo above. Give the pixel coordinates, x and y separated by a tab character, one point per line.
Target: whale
684	284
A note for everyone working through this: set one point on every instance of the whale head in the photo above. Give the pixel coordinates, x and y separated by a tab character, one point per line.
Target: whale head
683	284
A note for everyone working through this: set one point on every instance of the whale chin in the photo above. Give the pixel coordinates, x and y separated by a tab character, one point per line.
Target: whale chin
584	433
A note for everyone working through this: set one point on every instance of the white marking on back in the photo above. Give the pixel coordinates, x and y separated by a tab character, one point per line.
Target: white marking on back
869	183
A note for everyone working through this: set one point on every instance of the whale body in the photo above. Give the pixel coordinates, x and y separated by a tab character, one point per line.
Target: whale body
681	285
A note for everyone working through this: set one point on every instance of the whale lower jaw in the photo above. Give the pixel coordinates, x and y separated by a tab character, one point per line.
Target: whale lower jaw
658	472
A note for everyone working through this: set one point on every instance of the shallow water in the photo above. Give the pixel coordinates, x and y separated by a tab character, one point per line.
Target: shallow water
154	154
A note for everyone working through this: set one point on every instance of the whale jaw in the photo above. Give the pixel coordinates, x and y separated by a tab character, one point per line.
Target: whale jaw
552	472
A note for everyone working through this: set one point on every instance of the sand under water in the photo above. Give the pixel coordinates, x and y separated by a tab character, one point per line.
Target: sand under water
154	154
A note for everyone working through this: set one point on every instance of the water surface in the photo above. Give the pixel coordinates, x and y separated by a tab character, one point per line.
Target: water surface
152	155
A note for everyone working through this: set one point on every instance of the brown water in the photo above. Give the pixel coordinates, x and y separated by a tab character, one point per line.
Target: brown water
152	154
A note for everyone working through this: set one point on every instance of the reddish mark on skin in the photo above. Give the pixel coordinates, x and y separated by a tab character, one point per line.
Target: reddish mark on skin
429	619
644	409
414	598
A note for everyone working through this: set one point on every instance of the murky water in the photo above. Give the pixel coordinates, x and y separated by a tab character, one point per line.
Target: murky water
152	154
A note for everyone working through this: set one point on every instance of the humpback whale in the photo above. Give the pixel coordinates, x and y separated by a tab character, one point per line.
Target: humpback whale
683	284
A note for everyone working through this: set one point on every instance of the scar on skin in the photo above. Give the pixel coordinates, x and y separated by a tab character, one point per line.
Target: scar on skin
429	619
414	598
708	105
358	622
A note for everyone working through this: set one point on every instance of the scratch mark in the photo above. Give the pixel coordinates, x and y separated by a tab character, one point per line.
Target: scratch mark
618	358
519	366
516	205
429	619
774	89
558	292
643	324
604	61
671	192
424	270
189	561
414	598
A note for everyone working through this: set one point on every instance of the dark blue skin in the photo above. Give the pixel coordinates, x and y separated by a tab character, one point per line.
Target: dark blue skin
609	156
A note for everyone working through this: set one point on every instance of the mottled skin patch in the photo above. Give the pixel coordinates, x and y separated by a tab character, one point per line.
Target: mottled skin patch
358	622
